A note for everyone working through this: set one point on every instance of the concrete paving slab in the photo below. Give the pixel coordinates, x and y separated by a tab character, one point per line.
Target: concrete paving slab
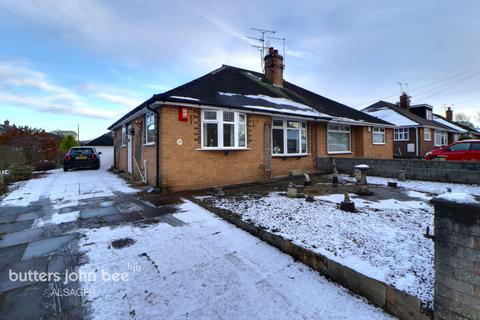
45	246
15	226
158	212
21	210
20	237
28	216
11	254
99	212
8	217
16	275
33	306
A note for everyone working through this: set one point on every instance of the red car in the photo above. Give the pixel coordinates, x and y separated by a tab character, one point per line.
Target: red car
466	150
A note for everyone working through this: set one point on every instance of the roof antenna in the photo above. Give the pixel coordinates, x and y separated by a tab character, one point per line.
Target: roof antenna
262	46
401	84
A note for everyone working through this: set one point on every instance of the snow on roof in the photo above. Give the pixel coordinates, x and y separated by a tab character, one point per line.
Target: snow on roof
281	105
184	98
458	197
447	123
391	116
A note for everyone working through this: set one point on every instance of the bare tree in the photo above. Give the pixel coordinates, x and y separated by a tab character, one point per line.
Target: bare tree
464	119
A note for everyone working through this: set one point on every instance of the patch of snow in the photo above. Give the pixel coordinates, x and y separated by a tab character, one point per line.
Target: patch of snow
448	124
420	195
422	186
362	166
206	269
185	98
458	197
391	116
56	218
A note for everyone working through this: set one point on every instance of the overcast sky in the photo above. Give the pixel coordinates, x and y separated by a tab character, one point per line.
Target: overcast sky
64	63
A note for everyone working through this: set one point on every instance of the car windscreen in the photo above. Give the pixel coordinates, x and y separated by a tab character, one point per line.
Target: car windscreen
78	151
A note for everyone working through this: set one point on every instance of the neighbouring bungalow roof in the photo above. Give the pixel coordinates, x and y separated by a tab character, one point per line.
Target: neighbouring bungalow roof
400	117
454	125
238	88
104	140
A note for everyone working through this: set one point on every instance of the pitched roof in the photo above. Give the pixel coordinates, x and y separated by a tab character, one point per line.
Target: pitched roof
244	89
401	116
453	124
104	140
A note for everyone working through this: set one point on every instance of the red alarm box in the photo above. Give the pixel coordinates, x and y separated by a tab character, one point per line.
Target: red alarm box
182	114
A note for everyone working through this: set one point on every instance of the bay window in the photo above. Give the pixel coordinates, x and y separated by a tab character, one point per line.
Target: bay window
223	129
289	137
338	139
401	134
441	138
378	136
149	128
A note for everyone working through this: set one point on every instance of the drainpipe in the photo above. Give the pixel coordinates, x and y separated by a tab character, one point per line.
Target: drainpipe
157	148
416	144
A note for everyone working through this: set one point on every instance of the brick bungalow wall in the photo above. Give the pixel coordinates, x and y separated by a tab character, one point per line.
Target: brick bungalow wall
183	166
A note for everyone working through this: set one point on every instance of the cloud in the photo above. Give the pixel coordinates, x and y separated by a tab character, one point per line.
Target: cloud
22	86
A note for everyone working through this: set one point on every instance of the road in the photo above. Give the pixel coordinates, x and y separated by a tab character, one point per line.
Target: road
137	260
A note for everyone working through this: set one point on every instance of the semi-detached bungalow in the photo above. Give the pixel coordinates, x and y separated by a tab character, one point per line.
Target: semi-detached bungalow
416	130
234	126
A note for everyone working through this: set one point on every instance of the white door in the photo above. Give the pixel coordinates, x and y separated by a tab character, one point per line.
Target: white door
129	149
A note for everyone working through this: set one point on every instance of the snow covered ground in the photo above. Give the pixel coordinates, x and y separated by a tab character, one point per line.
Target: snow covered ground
206	269
66	188
422	186
383	240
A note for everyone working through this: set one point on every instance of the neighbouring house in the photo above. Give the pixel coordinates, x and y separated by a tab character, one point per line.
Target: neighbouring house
416	131
104	144
235	126
464	131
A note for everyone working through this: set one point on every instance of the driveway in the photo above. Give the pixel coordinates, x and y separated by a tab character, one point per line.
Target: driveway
121	257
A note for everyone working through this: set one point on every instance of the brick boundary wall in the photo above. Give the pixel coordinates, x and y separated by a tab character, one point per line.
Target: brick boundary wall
457	260
398	303
442	171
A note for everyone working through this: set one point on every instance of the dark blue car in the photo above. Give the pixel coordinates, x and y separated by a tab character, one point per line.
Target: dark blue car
81	157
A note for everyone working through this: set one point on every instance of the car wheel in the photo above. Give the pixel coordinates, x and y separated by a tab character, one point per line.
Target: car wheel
65	169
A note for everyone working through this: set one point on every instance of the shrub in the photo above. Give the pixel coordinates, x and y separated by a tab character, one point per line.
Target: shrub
19	173
45	165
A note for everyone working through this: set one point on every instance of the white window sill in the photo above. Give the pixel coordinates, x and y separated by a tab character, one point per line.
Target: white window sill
339	152
400	141
123	146
149	144
222	149
292	155
379	144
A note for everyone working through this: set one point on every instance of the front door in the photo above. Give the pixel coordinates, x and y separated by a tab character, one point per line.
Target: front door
129	149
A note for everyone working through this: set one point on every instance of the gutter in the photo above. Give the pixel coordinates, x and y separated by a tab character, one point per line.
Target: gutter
157	148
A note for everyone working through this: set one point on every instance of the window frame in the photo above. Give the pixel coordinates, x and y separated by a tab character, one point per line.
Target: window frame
405	134
124	136
425	131
148	123
349	131
302	130
443	138
219	121
379	131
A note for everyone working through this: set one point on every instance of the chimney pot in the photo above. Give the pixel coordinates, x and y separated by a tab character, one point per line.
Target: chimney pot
270	50
6	123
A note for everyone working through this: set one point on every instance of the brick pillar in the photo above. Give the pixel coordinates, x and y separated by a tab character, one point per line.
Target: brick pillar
457	260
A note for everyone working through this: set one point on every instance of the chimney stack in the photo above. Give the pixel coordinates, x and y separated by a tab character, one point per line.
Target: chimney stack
449	114
405	101
274	67
6	123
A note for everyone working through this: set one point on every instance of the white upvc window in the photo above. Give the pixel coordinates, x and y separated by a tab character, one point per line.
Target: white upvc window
223	129
441	138
150	128
428	114
339	139
378	135
401	134
124	135
427	134
289	137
